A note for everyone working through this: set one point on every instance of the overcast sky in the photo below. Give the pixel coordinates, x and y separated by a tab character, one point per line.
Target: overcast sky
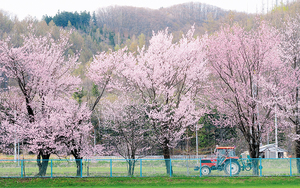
38	8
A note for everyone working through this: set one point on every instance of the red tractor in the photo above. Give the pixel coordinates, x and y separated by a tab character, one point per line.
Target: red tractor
225	160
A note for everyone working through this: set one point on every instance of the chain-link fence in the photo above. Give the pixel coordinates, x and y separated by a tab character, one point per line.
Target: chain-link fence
151	168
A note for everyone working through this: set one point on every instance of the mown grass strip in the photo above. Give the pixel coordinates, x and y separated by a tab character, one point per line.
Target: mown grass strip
257	182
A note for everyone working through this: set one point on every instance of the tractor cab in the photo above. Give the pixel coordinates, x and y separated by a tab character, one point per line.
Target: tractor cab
224	153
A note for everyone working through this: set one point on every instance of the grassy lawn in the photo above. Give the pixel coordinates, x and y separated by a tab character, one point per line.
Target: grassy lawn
257	182
150	168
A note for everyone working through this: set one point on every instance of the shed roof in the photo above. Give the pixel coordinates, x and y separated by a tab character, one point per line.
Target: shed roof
271	147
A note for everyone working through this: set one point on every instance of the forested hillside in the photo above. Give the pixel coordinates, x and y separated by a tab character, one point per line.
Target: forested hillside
133	21
129	22
118	26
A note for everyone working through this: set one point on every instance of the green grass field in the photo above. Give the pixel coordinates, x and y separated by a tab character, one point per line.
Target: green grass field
210	182
150	168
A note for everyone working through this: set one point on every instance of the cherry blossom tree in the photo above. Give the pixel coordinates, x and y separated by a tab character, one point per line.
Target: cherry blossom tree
290	47
128	129
167	77
44	81
73	129
244	67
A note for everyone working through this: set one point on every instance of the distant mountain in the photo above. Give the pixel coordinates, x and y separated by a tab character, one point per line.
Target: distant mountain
134	21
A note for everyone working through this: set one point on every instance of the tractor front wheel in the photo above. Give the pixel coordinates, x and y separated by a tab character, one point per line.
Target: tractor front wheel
235	168
248	167
205	170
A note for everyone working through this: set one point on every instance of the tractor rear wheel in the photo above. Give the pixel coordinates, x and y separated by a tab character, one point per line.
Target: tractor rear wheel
205	170
235	168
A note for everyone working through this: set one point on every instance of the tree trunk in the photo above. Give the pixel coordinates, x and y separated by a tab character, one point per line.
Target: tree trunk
254	154
297	147
78	161
42	164
297	142
166	152
131	164
79	166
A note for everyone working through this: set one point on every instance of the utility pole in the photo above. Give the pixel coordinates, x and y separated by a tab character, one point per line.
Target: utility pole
268	132
18	152
15	141
94	141
255	96
276	140
196	143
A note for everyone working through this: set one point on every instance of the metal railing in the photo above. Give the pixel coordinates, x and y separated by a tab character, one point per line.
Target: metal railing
149	168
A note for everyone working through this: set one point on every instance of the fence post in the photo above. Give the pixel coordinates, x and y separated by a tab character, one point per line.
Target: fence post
22	168
260	166
291	174
170	167
110	167
88	168
24	173
141	168
200	168
230	168
81	168
51	168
